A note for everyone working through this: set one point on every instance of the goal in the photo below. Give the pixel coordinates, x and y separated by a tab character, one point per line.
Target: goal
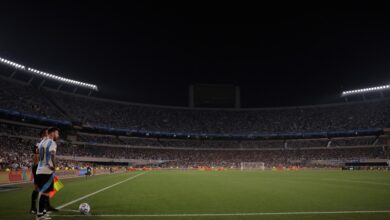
252	166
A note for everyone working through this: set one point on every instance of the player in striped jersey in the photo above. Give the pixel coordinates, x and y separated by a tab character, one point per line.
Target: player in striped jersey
45	170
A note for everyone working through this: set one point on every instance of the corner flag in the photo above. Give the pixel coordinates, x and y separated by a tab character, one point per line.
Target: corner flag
57	185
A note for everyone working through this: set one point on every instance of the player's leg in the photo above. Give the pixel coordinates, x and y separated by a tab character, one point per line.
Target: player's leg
41	214
34	194
45	185
50	208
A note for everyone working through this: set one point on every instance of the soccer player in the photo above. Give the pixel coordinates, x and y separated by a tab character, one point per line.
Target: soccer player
45	171
35	150
34	195
89	172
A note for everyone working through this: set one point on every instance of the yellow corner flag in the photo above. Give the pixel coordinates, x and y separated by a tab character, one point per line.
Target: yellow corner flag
57	185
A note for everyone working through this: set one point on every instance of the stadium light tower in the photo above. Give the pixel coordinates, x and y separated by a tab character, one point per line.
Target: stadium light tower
365	90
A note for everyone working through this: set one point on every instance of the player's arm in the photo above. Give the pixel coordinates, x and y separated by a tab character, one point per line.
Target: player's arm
53	160
53	150
35	156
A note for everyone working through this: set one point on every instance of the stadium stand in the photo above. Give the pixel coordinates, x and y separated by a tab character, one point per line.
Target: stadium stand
94	111
25	98
114	114
16	149
17	134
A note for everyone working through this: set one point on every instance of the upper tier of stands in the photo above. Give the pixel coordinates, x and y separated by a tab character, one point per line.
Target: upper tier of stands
114	114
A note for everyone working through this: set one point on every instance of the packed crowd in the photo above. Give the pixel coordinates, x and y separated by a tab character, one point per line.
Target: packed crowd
26	99
227	158
373	114
91	138
108	113
103	139
16	151
10	129
234	144
16	141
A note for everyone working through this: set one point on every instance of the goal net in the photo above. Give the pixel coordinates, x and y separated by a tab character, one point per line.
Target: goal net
252	166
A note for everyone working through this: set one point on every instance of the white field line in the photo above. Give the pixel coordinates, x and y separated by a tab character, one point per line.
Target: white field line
232	214
357	181
98	191
70	210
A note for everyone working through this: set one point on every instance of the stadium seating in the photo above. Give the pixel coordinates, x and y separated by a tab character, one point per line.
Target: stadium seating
17	138
24	98
16	142
114	114
314	118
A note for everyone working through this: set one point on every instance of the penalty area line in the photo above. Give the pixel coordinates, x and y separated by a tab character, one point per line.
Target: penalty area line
231	214
98	191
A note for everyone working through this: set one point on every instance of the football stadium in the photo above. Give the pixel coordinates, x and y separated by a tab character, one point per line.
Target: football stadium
77	146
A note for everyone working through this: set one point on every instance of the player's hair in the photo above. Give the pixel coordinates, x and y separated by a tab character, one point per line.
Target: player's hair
43	132
52	129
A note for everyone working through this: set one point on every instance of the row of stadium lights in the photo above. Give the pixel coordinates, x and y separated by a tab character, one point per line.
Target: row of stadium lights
48	75
18	66
377	88
94	87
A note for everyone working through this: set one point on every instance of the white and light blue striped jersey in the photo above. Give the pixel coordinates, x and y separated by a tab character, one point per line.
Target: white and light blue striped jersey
46	148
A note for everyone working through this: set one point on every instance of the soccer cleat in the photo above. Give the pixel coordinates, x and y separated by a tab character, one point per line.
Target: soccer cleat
46	217
33	211
43	217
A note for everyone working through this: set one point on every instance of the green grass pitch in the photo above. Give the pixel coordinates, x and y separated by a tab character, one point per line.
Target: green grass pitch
248	195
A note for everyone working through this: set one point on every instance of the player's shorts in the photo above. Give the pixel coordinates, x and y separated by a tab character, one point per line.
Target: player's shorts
34	172
45	182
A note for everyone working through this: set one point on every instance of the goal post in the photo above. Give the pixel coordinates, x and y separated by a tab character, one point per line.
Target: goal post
252	166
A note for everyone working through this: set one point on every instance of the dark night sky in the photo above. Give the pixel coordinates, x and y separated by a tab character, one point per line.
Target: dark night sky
150	53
